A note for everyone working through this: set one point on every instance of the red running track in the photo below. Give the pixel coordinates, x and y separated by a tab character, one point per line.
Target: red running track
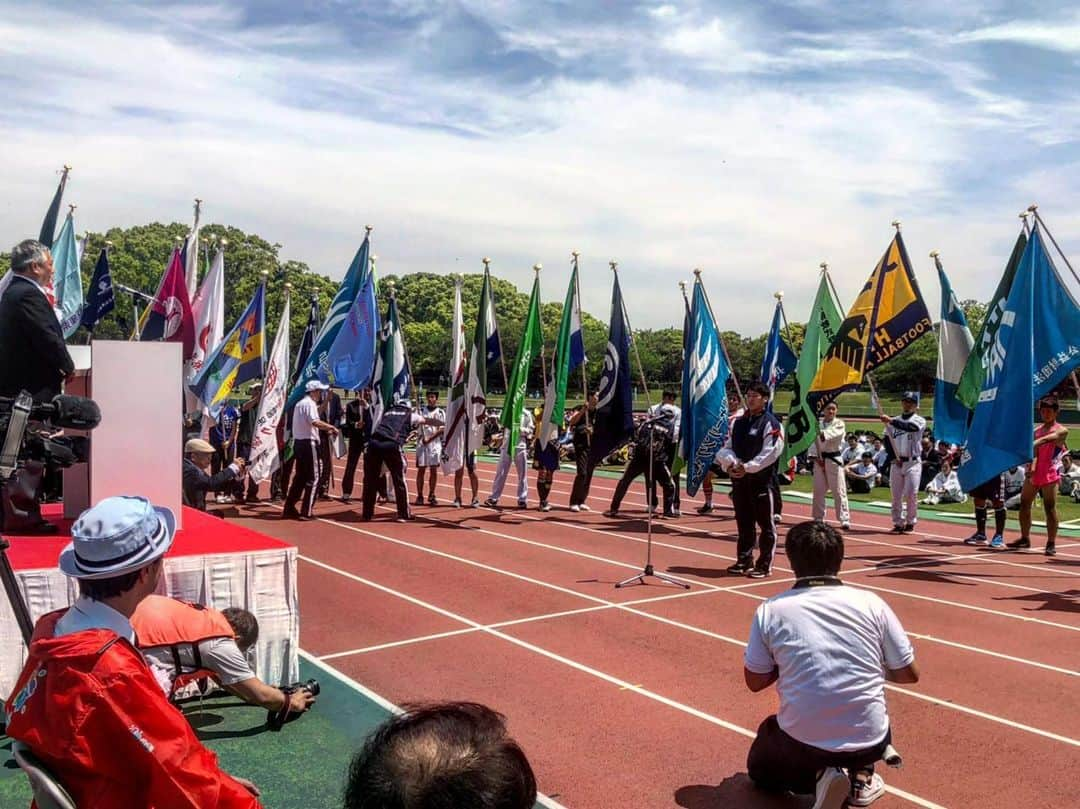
634	697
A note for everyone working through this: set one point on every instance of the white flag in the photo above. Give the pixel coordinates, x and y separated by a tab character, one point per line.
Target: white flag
454	443
191	266
263	458
208	312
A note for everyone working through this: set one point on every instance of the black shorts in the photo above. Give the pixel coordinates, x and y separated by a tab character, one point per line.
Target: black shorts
993	489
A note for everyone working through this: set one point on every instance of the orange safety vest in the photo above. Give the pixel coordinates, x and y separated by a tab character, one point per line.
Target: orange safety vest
160	621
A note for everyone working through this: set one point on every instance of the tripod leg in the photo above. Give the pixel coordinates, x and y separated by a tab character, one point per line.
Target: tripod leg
639	578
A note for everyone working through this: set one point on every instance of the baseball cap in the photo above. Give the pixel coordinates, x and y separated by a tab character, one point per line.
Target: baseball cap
315	384
119	535
911	396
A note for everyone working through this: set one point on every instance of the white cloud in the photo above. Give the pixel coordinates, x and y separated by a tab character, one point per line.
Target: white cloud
1063	36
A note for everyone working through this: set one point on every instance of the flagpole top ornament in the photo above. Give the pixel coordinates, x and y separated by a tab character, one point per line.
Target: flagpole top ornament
614	265
108	243
288	286
537	267
575	253
368	229
697	273
779	294
485	261
934	254
682	287
71	208
1033	207
824	266
67	168
1024	215
224	241
178	239
265	274
896	224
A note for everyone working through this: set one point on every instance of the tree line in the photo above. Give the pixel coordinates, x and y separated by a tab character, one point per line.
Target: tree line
139	254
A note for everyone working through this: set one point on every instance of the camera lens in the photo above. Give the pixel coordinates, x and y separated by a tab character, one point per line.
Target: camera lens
312	687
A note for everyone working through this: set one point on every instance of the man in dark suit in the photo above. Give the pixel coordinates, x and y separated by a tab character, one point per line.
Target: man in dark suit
196	481
33	356
331	412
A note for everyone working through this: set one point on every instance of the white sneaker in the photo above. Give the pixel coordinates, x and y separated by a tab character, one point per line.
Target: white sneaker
575	508
832	789
845	526
864	793
585	507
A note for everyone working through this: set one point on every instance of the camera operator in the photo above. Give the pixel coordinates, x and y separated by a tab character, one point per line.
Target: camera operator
185	642
33	356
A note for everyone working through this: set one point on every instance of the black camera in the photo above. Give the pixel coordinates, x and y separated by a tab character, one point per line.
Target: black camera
275	720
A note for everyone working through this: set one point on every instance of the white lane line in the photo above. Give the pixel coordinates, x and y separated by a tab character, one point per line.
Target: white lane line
387	705
662	619
620	683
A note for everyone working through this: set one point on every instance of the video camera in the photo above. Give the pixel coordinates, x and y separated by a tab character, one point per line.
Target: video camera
22	442
275	720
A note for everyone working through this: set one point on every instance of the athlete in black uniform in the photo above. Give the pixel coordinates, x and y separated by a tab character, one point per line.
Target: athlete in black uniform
387	439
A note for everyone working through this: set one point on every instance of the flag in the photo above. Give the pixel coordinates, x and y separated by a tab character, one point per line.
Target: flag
208	312
237	359
680	457
779	359
704	384
494	344
102	299
48	224
971	381
954	348
453	453
477	374
191	257
569	354
307	339
351	358
68	284
315	365
888	316
263	458
391	379
532	343
801	424
1036	345
614	420
80	248
168	317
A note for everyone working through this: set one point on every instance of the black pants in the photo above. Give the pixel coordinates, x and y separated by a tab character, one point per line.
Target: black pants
356	451
286	471
778	500
326	457
377	454
583	479
752	497
306	473
659	473
676	504
779	763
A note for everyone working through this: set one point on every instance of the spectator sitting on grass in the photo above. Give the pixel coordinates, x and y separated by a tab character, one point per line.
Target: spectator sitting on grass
829	648
861	474
945	487
451	756
1069	485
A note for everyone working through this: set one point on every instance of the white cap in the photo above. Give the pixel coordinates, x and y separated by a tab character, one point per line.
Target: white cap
315	384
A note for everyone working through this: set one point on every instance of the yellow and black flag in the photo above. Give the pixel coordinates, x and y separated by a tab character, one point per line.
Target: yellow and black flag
888	316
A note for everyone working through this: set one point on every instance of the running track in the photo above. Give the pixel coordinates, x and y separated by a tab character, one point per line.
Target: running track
634	697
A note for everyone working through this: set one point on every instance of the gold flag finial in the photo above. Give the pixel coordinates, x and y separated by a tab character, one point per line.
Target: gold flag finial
933	254
368	229
896	224
1033	207
697	273
779	294
537	267
614	265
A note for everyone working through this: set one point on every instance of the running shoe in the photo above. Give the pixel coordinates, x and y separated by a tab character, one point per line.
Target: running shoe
758	572
457	504
1050	549
491	502
705	508
740	568
474	503
845	526
976	539
584	507
419	499
432	500
575	508
864	793
611	512
1021	544
909	528
523	503
997	543
545	506
777	519
832	789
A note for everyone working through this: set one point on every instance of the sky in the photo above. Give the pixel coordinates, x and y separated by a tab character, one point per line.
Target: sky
750	140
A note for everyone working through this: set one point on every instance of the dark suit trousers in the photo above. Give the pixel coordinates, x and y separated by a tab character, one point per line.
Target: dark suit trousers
356	451
583	479
306	454
752	497
377	454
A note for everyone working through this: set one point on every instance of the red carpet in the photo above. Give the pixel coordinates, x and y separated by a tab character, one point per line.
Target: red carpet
202	534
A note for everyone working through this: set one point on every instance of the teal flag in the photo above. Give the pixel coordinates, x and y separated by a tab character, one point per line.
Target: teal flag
68	284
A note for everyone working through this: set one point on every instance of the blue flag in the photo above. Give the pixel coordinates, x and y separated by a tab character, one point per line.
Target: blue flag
315	367
69	294
704	384
351	358
237	359
1036	346
102	299
954	347
307	339
779	359
614	421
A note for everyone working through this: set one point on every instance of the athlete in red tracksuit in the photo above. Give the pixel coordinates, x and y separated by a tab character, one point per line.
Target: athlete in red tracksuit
89	707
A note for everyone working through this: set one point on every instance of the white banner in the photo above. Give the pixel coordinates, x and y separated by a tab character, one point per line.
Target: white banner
263	458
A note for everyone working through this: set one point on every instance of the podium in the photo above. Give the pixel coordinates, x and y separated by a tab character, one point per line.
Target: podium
138	447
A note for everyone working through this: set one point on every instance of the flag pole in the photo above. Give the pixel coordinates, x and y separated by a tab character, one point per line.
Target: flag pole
584	377
404	345
1024	216
495	320
1039	220
633	341
720	338
543	364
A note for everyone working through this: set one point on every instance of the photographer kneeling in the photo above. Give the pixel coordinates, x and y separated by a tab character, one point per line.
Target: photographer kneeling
185	642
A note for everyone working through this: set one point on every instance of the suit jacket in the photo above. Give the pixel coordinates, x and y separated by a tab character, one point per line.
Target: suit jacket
197	483
33	355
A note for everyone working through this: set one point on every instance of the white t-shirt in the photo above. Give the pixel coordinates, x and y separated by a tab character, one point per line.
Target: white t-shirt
832	645
304	415
219	655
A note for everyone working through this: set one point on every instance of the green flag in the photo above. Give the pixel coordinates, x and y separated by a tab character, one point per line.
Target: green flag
569	354
532	341
801	426
971	380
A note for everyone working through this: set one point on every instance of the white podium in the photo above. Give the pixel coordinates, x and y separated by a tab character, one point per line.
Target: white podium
138	447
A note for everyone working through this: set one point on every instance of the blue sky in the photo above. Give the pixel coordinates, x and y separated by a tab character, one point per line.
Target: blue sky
751	140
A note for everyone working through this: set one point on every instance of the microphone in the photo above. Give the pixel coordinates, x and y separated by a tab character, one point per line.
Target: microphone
70	412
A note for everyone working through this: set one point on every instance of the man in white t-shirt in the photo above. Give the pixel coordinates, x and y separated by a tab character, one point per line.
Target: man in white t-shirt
518	456
306	425
829	648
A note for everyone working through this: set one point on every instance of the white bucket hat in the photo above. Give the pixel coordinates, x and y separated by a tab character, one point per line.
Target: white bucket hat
117	536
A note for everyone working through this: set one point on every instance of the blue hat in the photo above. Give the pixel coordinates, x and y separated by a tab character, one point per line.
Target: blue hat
119	535
910	396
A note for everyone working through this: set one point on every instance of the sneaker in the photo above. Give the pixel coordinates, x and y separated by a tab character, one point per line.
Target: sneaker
474	503
740	568
909	528
585	507
545	507
457	503
1021	544
976	539
432	500
758	572
669	515
676	512
611	513
705	509
897	529
575	509
864	793
346	498
419	499
1050	549
832	789
491	502
777	519
523	503
997	543
845	526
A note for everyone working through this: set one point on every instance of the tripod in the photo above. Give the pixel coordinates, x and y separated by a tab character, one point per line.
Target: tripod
648	570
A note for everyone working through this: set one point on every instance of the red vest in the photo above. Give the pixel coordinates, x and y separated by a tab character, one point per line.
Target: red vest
162	621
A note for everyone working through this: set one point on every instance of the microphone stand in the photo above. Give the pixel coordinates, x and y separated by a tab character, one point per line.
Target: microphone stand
648	569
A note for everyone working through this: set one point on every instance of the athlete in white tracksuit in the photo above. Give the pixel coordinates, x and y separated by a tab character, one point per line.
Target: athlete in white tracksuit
905	433
519	459
828	471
